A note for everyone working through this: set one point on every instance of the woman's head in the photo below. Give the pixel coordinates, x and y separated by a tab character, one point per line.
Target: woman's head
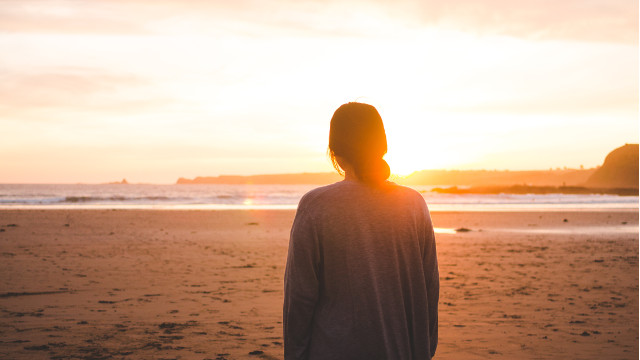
357	136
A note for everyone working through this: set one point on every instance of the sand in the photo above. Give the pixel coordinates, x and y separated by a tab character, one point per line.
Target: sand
130	284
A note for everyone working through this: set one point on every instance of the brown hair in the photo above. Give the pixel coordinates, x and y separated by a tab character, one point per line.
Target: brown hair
357	134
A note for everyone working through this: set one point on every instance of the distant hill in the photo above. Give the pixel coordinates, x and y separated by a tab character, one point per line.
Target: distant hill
528	189
620	169
282	179
567	177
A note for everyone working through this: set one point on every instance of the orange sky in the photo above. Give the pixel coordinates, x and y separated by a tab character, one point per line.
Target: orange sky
154	90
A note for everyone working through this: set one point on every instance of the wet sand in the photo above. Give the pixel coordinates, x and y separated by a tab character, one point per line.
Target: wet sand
129	284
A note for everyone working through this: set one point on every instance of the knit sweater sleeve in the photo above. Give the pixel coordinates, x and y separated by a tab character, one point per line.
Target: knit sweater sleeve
301	286
432	277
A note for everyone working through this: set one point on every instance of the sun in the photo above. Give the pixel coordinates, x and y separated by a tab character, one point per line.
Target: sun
401	166
410	151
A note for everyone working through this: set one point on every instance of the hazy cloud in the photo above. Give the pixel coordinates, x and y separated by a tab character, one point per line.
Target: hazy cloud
72	17
74	89
572	104
582	20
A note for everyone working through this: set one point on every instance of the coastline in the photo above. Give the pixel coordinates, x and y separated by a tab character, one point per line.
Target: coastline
208	284
433	207
274	197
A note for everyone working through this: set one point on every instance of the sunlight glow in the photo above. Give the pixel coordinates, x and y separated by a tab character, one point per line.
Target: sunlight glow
153	91
444	231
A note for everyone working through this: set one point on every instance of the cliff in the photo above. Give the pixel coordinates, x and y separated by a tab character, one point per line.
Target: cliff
620	169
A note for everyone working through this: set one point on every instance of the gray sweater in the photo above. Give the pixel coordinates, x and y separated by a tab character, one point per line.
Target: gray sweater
361	280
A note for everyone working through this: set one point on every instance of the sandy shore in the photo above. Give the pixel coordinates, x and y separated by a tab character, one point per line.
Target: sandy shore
103	284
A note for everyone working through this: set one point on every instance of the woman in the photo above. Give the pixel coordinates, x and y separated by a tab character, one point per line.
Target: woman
361	280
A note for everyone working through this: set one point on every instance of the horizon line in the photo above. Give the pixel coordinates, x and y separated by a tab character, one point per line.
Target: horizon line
115	182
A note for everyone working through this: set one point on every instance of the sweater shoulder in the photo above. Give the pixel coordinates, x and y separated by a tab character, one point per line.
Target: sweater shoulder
319	198
407	194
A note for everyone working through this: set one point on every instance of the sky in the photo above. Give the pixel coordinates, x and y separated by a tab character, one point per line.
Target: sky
153	90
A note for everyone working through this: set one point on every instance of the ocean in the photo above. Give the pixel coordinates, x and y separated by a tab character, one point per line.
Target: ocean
229	197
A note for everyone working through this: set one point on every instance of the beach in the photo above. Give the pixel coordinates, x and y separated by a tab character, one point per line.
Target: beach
196	284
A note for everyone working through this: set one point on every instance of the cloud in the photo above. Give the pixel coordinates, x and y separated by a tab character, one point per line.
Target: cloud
613	21
67	17
583	20
74	89
571	104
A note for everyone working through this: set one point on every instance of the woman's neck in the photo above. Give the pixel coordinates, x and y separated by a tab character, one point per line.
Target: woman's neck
350	176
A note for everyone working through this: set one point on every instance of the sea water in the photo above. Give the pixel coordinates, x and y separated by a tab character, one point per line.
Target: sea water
226	197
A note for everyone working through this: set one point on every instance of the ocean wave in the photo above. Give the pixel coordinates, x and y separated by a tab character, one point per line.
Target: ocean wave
32	201
87	199
245	196
115	198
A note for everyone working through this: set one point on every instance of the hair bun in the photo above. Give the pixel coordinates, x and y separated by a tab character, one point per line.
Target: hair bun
374	171
383	169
